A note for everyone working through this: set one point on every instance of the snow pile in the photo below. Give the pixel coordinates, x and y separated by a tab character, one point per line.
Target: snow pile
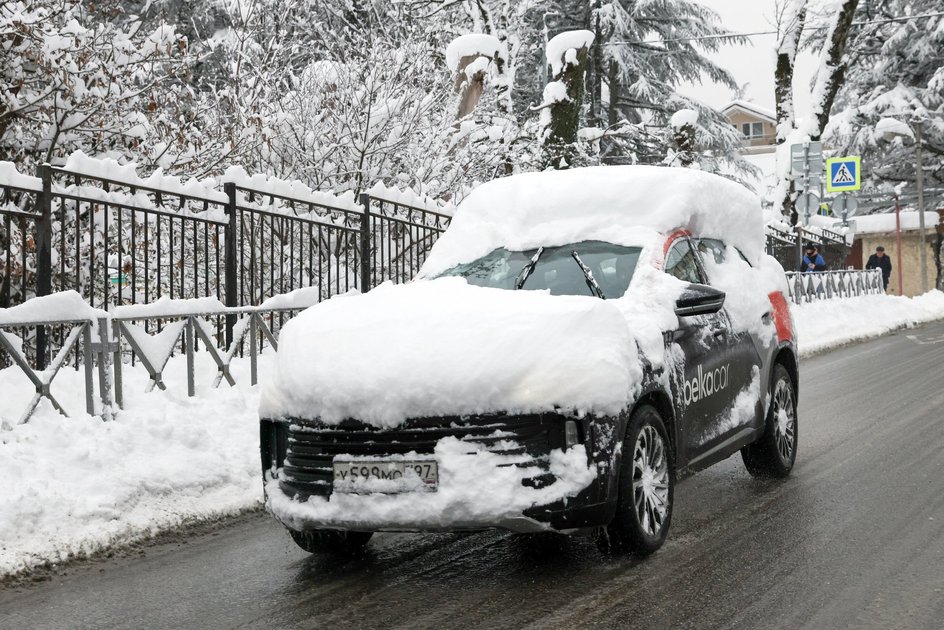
67	305
73	486
562	49
476	489
448	348
473	45
684	117
610	203
831	323
9	176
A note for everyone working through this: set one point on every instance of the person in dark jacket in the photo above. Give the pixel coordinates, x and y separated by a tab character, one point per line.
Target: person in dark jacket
812	261
879	260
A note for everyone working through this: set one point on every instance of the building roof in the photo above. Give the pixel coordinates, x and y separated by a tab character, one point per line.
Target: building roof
750	108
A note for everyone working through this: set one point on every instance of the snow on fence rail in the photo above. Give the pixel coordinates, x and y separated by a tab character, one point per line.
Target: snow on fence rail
115	238
108	341
827	285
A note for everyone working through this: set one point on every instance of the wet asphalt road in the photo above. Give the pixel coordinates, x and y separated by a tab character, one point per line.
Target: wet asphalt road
855	538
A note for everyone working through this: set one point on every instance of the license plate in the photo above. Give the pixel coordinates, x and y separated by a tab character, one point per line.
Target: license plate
385	476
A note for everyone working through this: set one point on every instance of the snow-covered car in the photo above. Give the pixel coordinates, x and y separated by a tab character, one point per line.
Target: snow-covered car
575	343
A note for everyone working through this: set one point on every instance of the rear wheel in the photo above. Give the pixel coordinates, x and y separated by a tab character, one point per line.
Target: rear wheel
774	454
646	486
330	540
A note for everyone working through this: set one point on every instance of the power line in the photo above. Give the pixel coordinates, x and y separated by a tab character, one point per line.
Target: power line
754	33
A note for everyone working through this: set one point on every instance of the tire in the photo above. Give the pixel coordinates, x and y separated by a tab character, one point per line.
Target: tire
774	454
330	540
646	488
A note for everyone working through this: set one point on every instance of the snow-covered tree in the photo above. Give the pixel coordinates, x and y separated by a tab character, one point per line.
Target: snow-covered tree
832	40
76	77
895	72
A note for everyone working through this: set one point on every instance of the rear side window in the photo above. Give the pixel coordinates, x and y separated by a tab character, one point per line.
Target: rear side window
680	262
717	250
711	247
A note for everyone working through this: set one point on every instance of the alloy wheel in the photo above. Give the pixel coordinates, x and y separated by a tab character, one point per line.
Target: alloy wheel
784	415
650	480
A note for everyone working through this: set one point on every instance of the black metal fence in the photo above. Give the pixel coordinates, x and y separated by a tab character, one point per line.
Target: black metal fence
118	243
787	246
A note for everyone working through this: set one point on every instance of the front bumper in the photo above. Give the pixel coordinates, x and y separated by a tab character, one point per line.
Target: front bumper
509	472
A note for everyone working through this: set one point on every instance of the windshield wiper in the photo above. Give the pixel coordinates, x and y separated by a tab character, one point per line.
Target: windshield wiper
524	273
591	281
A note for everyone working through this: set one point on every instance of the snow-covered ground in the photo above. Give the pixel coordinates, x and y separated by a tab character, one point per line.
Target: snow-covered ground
73	486
832	323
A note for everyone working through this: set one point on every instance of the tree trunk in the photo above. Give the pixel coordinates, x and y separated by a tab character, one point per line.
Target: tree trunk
560	144
469	88
832	67
787	45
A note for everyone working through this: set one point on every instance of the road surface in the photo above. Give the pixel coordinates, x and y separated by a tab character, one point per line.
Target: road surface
855	538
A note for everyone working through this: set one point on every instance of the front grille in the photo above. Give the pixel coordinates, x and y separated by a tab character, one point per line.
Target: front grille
311	447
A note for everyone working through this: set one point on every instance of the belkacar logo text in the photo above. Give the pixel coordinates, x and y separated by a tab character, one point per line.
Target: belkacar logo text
705	384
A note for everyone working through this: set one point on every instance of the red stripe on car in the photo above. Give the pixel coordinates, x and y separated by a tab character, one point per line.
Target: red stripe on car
783	321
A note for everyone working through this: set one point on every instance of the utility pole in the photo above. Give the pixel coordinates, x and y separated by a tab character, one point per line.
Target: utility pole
919	180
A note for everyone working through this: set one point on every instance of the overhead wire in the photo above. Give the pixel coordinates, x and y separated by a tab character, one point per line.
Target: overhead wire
906	18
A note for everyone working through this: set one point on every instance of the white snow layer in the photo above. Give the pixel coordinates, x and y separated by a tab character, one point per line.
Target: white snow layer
77	485
561	44
429	349
476	489
66	305
684	117
885	222
73	486
9	176
829	324
888	128
609	203
472	45
127	174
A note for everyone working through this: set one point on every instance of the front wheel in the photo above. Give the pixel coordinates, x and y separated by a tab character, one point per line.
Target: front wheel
774	454
330	540
646	486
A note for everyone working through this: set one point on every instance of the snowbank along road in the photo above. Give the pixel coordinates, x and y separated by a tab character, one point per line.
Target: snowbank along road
855	538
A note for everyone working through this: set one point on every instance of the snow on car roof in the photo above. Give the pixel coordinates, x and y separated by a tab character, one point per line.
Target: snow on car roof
625	205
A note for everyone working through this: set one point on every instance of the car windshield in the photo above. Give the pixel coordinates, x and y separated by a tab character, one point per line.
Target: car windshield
566	270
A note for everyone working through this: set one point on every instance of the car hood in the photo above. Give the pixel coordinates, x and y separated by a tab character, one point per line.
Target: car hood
444	348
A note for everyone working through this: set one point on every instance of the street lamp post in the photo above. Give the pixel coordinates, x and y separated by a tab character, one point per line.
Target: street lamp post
916	134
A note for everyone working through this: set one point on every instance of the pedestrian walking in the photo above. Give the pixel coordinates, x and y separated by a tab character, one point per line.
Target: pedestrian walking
879	260
812	261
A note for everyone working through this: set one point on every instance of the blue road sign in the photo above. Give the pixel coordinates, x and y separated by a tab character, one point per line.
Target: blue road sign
843	174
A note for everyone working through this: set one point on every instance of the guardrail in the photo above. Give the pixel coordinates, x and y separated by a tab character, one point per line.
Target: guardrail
811	286
149	333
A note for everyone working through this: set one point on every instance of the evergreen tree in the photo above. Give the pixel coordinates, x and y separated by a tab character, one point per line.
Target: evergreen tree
895	70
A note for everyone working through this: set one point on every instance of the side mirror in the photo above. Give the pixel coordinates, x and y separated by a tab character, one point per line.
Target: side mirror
699	299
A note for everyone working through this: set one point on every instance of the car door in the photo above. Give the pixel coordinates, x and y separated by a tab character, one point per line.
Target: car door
741	365
701	378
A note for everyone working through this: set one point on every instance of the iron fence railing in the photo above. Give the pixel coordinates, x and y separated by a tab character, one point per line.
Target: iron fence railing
118	243
827	285
145	334
786	245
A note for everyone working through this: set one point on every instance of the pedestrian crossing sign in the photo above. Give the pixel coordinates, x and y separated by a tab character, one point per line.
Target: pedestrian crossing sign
843	174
